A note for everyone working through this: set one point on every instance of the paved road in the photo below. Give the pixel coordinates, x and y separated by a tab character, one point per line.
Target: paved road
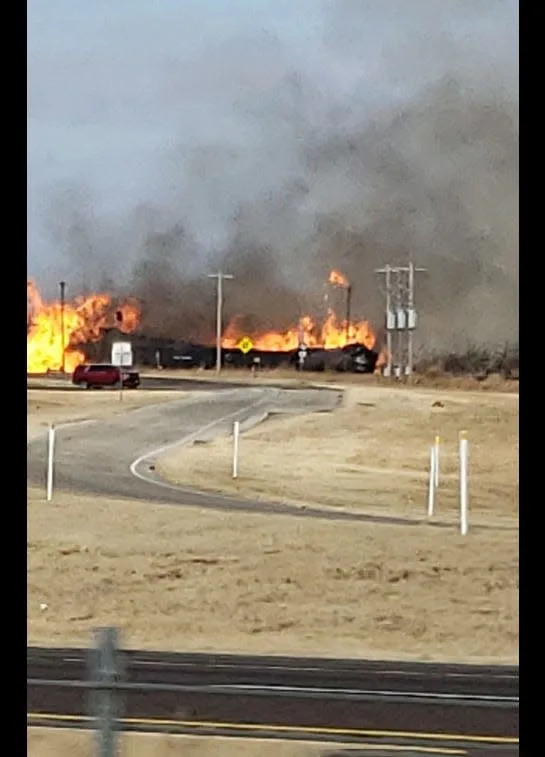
116	457
149	383
373	702
59	382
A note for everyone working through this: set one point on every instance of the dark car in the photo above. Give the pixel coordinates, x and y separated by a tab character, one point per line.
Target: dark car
104	374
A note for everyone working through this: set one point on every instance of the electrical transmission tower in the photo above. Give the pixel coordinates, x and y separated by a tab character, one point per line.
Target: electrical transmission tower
400	317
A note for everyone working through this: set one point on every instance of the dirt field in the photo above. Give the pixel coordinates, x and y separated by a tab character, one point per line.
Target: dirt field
372	455
51	742
192	580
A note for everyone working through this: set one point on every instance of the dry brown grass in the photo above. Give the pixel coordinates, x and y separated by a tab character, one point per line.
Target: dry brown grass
51	742
372	454
183	579
429	380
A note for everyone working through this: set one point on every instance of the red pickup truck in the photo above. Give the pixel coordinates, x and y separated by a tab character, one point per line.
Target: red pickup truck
98	374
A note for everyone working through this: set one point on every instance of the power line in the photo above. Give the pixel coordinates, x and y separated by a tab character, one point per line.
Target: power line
62	286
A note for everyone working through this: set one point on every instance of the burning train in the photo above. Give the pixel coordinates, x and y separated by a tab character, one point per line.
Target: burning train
169	353
61	336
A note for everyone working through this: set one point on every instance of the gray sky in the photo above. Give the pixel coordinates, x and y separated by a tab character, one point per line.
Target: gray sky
195	108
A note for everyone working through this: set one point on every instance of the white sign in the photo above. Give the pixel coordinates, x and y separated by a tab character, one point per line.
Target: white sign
122	354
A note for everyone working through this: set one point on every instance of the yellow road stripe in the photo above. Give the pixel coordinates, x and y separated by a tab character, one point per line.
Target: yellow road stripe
46	716
293	729
361	747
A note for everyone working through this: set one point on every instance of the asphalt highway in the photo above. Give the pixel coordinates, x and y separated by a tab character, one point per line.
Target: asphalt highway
438	708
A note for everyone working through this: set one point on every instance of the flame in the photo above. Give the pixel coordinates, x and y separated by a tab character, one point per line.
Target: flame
83	320
33	301
331	334
338	279
130	316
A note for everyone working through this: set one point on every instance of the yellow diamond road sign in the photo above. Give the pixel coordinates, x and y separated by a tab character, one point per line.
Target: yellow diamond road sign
245	344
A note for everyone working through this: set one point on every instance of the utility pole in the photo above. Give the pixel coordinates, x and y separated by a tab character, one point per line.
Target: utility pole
326	301
62	286
220	277
348	313
411	315
342	283
400	315
410	325
390	320
401	322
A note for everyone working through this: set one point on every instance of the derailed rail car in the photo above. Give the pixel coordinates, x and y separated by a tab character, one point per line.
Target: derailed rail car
169	353
260	359
353	358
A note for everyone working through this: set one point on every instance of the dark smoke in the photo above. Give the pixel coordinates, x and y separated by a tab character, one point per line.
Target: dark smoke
433	180
444	177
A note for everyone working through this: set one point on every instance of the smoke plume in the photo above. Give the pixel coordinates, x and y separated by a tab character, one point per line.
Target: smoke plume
308	178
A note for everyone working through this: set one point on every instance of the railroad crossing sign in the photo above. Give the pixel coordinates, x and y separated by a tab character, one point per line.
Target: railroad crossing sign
245	344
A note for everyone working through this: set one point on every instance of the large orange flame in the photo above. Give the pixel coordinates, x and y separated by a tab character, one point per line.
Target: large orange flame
83	320
331	334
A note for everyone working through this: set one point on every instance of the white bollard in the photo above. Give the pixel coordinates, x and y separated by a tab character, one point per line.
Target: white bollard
437	443
236	432
431	484
50	458
464	455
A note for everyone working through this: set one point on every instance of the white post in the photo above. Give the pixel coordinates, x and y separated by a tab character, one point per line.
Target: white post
463	482
437	443
50	457
431	484
236	432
